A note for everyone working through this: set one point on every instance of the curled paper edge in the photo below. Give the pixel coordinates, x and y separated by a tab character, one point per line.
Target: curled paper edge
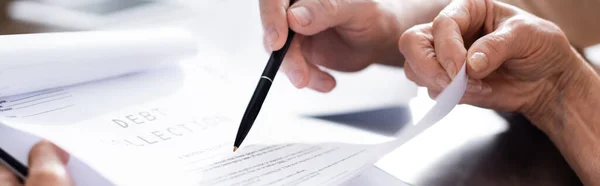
445	102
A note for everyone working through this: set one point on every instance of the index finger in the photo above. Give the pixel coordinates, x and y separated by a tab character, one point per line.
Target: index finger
457	20
274	22
416	46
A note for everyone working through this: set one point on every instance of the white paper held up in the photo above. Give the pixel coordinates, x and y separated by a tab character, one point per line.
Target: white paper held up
445	102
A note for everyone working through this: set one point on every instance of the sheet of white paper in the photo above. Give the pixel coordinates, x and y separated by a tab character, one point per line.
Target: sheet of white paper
185	128
374	176
445	102
32	62
415	160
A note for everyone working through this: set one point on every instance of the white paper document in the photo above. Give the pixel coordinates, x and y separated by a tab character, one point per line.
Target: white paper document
177	125
33	62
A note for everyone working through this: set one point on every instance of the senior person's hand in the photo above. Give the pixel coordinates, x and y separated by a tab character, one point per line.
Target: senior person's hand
47	167
344	35
514	59
515	62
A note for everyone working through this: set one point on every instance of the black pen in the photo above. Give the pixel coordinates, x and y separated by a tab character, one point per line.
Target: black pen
14	165
261	91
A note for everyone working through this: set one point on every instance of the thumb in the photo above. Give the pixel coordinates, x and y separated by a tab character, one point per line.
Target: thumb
309	17
488	53
47	165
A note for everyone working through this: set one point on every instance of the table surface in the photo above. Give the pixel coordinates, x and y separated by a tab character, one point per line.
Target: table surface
470	146
519	154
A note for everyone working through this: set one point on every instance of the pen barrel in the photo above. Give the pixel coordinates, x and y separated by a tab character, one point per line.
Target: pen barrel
258	98
277	58
262	89
19	169
254	106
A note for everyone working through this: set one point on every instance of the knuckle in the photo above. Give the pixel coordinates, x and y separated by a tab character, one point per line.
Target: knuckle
539	30
413	36
523	24
552	30
410	33
406	38
452	14
441	19
445	28
496	43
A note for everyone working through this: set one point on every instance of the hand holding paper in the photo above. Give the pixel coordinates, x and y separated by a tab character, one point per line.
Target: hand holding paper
509	67
517	62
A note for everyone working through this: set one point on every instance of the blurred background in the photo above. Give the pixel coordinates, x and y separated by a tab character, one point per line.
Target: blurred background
8	26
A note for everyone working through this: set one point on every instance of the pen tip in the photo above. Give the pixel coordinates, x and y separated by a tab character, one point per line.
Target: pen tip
234	148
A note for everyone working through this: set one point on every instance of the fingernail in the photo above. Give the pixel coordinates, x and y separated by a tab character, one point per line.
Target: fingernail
302	15
478	61
324	84
450	69
296	77
272	36
443	81
474	86
434	95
